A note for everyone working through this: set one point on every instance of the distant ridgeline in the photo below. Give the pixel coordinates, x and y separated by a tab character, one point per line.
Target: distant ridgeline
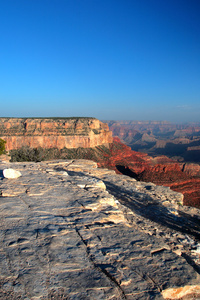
54	132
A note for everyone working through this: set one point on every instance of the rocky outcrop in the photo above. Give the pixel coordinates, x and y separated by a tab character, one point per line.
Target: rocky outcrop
54	133
191	169
70	230
159	170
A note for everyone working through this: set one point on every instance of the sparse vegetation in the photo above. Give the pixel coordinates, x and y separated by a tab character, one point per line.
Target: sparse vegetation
95	131
2	147
41	154
33	154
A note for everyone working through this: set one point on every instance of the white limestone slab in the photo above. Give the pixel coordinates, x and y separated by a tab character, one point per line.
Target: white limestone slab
11	173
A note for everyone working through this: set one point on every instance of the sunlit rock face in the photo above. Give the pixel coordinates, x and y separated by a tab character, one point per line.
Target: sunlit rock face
54	132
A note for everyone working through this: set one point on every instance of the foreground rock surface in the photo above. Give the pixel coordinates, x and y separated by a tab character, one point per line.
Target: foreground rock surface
70	230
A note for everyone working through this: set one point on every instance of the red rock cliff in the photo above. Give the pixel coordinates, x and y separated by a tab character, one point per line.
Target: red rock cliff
54	133
160	170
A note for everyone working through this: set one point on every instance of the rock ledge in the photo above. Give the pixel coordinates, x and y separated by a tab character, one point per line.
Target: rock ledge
70	230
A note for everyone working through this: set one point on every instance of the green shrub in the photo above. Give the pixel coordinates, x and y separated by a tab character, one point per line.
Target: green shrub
2	147
25	154
95	131
40	154
34	154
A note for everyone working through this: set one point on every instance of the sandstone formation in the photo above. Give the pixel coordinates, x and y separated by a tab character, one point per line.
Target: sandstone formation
191	169
54	133
70	230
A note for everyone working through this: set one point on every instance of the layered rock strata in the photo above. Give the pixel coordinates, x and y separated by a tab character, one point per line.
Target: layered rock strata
159	170
70	230
54	133
89	133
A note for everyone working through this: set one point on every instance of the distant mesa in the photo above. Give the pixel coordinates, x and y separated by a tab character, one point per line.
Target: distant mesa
54	132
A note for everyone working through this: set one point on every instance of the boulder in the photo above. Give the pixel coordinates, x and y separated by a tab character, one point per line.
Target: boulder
11	173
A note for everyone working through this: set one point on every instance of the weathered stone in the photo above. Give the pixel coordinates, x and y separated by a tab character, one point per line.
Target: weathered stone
11	173
191	292
60	241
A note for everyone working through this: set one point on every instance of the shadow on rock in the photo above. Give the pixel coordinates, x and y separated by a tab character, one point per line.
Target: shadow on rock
154	211
1	174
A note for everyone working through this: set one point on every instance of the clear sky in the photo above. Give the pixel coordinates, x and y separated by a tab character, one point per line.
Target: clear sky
109	59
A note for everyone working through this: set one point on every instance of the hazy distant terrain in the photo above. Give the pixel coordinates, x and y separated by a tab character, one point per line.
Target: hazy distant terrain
179	141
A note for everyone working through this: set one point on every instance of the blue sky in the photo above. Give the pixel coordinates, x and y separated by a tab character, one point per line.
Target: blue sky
109	59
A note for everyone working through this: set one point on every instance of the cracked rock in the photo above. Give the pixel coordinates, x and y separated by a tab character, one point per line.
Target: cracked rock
114	238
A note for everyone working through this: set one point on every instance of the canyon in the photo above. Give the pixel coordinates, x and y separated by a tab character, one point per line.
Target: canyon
179	141
89	138
117	224
173	153
161	170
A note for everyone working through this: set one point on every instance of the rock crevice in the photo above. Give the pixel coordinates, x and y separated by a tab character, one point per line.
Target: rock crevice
70	230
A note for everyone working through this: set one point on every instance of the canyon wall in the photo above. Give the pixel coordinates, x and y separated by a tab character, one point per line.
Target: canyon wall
161	170
177	141
54	132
